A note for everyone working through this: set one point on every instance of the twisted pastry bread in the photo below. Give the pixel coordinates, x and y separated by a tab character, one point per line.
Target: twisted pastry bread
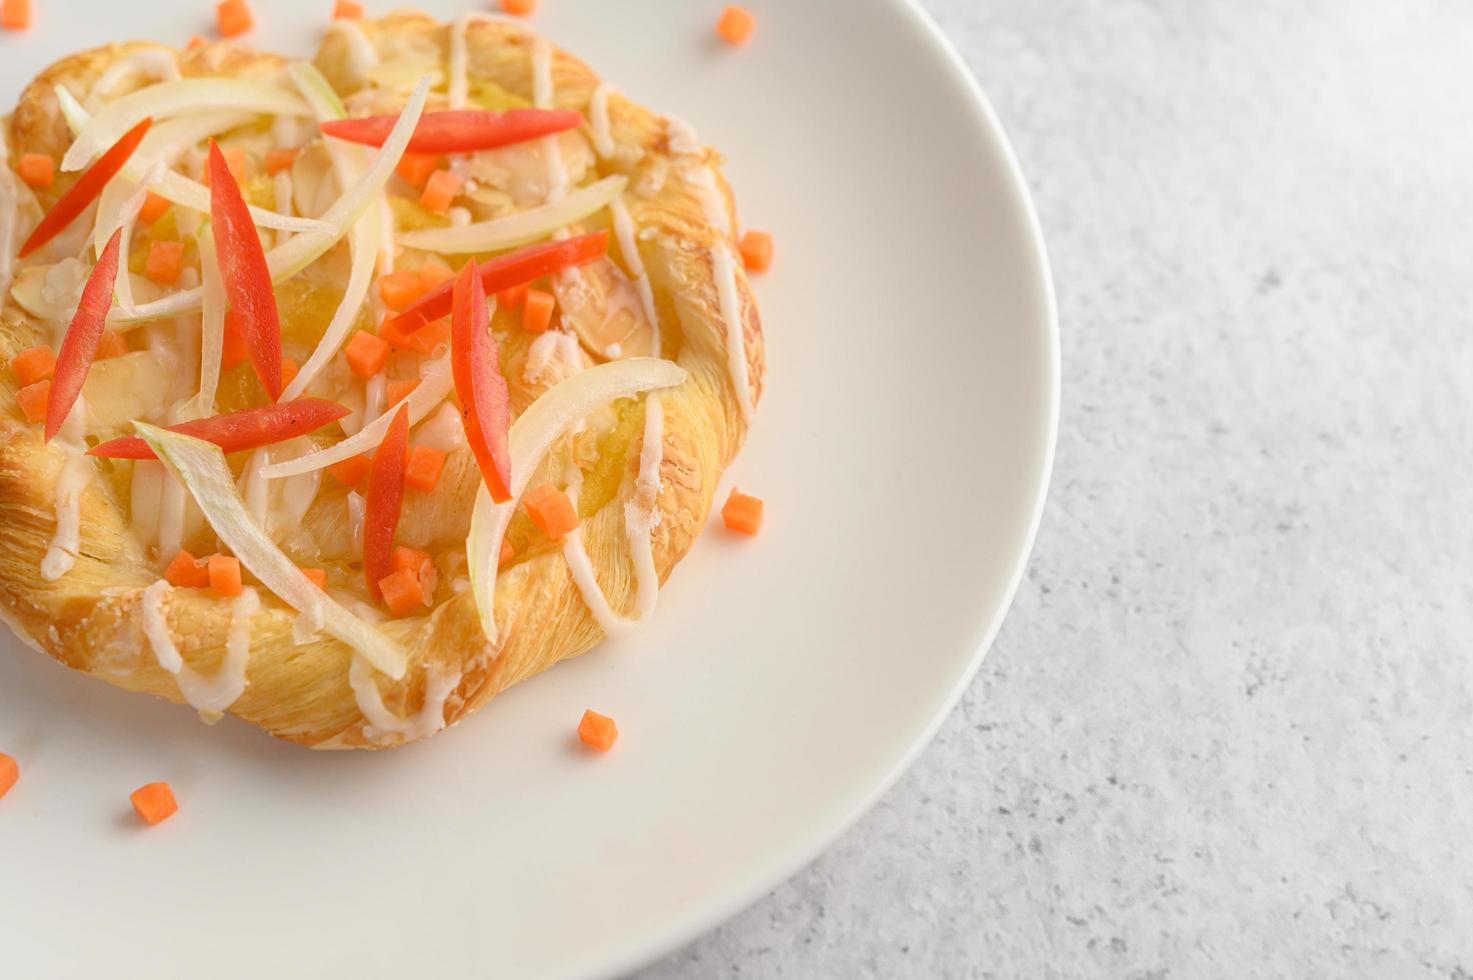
107	615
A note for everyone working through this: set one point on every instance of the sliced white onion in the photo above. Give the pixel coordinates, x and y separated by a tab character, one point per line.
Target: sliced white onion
212	328
166	141
542	424
436	381
183	97
201	467
287	260
520	228
363	242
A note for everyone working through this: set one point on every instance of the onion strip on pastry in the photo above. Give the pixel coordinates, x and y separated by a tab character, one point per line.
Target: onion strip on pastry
364	241
164	141
521	227
532	435
291	257
201	467
435	383
186	96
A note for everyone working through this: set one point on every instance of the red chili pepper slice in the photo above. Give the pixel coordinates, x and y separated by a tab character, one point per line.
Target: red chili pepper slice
385	495
509	270
245	274
249	428
82	336
86	189
459	130
484	403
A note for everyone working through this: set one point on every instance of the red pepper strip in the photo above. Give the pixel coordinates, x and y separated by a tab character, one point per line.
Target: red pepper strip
484	403
506	271
245	274
459	130
86	189
385	495
83	336
249	428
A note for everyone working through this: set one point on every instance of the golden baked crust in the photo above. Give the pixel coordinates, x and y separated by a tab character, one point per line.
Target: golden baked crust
90	618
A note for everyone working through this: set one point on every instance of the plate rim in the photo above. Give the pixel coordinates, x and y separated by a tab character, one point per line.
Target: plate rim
711	913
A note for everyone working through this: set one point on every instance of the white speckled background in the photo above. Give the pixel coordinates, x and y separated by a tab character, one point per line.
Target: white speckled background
1227	729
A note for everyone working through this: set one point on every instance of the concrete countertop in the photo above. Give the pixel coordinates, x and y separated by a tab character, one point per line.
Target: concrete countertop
1227	729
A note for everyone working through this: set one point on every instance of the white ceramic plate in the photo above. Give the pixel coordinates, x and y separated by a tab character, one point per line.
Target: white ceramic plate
903	449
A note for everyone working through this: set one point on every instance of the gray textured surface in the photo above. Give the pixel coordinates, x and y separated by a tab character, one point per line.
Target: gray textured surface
1226	728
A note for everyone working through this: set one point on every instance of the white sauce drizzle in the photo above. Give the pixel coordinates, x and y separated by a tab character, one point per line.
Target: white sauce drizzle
729	300
361	53
458	90
209	695
154	63
542	93
444	430
598	121
380	721
681	137
639	522
712	203
624	233
75	474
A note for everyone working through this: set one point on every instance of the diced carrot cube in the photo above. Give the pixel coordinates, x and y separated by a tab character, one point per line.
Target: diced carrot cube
418	562
280	159
507	553
366	354
396	391
165	262
32	400
317	576
513	297
735	25
233	348
431	276
346	10
36	169
519	8
416	168
15	15
411	558
351	471
597	731
439	191
401	288
187	572
432	337
195	41
742	512
110	344
396	336
551	510
154	802
756	249
289	370
154	208
422	469
236	161
234	17
402	591
537	311
224	572
33	364
9	773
